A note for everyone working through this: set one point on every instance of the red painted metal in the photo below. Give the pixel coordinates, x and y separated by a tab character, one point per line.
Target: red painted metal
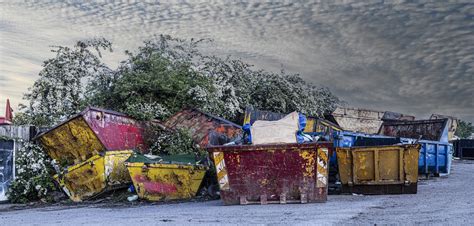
271	173
202	126
154	187
115	130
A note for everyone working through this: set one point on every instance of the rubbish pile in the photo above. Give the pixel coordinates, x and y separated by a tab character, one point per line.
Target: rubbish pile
271	158
101	150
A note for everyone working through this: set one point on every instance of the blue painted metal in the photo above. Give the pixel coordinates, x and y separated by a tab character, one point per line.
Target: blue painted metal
435	156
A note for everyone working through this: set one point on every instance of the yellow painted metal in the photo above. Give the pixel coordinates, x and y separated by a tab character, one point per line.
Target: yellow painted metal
155	182
319	126
84	180
95	175
378	165
116	171
310	122
72	142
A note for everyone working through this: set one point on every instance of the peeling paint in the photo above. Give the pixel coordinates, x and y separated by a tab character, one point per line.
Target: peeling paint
155	182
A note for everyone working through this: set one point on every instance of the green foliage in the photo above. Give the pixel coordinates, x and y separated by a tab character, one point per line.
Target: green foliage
465	129
171	74
59	91
167	142
157	85
33	175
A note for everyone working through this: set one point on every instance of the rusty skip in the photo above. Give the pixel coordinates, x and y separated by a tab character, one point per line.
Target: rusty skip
90	132
279	173
391	169
202	126
434	129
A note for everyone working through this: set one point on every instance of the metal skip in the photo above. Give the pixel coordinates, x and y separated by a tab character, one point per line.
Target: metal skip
277	173
98	174
157	180
391	169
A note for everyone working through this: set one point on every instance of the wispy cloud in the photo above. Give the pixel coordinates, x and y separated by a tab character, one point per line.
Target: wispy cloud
401	56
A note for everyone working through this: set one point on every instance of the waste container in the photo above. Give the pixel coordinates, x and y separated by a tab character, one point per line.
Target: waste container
434	158
464	148
97	174
165	178
90	132
390	169
272	173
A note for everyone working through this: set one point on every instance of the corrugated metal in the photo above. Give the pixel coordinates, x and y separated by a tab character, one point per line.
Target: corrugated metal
435	130
201	125
25	133
379	169
90	132
364	120
284	173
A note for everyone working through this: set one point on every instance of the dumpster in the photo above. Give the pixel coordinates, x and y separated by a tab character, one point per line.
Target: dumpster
364	120
391	169
452	124
464	148
433	129
203	126
165	178
272	173
434	159
98	174
90	132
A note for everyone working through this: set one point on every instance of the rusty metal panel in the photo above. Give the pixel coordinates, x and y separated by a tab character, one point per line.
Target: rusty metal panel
90	132
116	172
389	169
115	130
95	175
201	125
452	124
71	142
435	129
157	182
84	180
263	174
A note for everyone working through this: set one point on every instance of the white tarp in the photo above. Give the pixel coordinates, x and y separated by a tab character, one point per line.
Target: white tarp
280	131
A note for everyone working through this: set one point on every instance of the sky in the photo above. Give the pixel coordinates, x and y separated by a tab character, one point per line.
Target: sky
413	57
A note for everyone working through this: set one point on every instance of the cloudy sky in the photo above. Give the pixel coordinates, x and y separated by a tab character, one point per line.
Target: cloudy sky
415	58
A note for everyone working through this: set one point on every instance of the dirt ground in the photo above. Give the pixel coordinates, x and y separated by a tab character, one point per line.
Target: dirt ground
445	200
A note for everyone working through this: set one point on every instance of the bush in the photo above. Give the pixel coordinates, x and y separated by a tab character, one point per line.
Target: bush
161	141
33	175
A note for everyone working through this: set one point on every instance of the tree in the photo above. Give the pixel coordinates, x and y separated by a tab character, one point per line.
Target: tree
167	74
163	76
60	90
465	129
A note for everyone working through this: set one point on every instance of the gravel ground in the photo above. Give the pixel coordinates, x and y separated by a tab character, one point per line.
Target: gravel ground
446	200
